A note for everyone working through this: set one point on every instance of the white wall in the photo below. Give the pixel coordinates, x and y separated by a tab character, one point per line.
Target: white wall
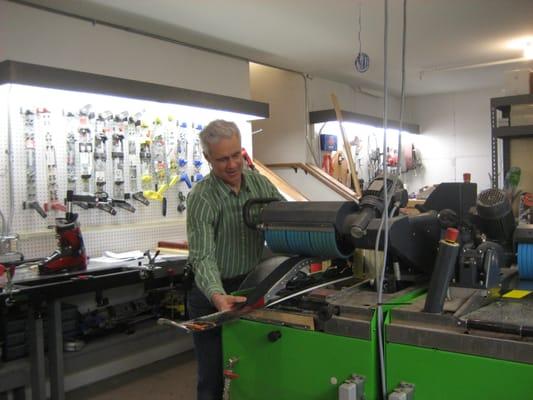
349	99
455	137
39	37
283	136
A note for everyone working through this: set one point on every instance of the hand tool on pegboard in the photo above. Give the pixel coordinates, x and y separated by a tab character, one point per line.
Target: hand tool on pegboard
172	140
119	129
31	165
145	156
53	203
348	150
197	155
71	151
85	146
183	154
134	133
103	128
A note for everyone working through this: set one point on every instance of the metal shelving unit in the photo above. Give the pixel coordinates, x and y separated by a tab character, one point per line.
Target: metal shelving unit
506	133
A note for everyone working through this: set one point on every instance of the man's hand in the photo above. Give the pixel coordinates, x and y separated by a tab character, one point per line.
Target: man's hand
224	302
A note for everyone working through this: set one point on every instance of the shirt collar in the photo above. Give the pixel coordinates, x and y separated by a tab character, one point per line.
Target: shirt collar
225	189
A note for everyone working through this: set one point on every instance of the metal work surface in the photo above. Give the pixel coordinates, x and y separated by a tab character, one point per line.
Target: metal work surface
363	297
507	311
28	284
450	331
356	306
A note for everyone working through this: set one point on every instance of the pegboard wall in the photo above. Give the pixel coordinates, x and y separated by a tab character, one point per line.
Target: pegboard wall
57	113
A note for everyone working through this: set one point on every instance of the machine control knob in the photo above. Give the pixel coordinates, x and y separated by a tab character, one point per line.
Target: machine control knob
325	313
274	336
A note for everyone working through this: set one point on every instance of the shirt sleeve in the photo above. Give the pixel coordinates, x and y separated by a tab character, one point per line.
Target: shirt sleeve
272	191
201	220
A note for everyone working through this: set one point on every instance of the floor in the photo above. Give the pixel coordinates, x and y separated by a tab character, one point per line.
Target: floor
173	378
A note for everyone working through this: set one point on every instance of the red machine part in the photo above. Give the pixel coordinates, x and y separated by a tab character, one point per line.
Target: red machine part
248	159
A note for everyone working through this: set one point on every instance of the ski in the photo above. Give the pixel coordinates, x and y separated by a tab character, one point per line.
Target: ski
254	301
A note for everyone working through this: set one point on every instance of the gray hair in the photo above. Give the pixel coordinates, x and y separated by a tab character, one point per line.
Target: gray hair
216	130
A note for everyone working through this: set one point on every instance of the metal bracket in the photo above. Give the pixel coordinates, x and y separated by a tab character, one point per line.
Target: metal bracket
404	391
353	388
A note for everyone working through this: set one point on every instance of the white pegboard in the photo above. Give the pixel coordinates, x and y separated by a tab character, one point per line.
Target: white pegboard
114	238
4	170
124	231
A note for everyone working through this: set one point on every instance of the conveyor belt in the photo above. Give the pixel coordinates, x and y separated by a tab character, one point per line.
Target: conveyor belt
320	243
525	260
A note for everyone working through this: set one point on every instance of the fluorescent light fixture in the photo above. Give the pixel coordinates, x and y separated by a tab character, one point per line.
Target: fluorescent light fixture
525	44
528	50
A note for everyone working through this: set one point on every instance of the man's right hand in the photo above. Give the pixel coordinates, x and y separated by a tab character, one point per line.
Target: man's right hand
224	302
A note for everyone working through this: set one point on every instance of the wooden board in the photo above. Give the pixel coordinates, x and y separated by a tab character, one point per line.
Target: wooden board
282	185
283	317
341	169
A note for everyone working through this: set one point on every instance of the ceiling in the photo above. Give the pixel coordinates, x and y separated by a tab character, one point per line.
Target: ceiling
319	37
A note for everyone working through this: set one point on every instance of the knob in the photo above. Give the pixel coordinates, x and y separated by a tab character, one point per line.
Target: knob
274	336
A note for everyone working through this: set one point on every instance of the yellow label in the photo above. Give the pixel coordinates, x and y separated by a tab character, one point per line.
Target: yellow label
516	294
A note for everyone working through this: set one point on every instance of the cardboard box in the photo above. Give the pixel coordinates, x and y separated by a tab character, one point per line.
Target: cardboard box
518	81
521	114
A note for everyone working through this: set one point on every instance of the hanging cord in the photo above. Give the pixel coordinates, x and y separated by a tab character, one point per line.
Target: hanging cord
385	215
387	196
359	30
362	61
402	95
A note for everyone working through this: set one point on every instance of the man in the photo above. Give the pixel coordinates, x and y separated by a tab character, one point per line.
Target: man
222	249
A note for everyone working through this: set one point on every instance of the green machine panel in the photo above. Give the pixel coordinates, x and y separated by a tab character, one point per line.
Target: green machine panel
444	375
446	358
300	364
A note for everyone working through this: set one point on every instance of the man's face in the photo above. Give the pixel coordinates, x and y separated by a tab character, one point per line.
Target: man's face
226	160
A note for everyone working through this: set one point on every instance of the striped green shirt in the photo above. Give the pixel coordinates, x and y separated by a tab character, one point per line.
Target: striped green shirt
220	244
